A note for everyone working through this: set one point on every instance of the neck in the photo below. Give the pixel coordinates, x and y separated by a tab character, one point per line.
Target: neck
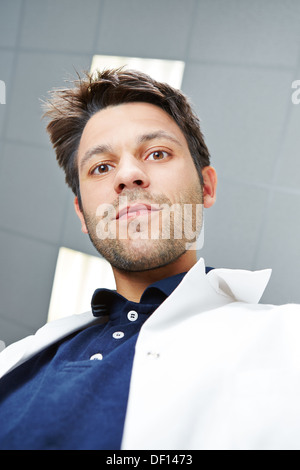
132	284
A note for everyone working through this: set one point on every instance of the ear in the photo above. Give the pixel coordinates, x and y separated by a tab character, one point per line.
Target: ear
209	186
80	215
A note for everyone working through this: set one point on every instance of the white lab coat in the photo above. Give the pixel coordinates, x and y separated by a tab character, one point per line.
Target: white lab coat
213	369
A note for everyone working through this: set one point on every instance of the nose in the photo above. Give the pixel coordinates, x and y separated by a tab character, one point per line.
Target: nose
130	174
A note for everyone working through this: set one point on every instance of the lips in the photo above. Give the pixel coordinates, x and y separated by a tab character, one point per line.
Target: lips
135	210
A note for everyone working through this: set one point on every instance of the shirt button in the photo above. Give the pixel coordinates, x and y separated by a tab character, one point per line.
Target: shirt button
118	334
96	357
132	315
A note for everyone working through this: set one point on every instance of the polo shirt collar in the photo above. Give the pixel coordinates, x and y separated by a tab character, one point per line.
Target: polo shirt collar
103	299
233	284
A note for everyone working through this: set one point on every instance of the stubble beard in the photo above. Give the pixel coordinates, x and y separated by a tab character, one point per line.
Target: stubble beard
144	252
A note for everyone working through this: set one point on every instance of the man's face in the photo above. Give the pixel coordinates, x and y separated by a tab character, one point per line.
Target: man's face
140	191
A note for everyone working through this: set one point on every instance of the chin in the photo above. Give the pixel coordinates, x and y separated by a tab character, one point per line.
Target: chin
141	255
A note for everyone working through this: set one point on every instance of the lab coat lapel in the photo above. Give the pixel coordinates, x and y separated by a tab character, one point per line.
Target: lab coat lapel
168	343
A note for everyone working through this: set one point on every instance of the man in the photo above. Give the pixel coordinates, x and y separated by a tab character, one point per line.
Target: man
178	357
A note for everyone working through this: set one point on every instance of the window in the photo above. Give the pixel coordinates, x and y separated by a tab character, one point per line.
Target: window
77	275
170	71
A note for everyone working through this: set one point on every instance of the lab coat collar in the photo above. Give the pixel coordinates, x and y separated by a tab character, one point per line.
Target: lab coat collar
239	284
199	292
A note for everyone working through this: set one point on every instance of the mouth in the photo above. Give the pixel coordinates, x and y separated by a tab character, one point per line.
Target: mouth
136	210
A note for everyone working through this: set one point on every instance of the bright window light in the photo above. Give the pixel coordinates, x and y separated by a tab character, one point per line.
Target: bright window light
168	71
76	277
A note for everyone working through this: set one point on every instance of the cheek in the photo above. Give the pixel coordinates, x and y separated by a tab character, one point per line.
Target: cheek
185	175
92	195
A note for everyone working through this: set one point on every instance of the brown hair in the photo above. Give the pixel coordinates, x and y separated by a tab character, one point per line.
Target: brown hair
70	109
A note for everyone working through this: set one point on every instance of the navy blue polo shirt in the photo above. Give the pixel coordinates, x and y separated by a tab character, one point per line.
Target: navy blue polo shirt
73	395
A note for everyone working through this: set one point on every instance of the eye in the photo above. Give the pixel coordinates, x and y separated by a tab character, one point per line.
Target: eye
102	169
157	155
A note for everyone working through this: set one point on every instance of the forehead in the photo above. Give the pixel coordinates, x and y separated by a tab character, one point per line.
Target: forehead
125	121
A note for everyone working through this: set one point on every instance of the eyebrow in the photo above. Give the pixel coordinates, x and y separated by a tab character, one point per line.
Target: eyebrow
158	134
101	149
96	150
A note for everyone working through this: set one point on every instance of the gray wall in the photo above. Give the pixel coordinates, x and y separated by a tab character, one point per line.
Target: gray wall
241	58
